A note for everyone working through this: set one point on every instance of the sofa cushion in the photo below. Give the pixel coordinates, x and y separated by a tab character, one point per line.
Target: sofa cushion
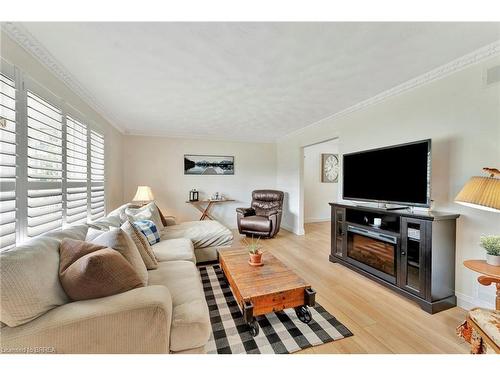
88	271
142	244
175	249
75	232
148	212
204	233
190	326
120	241
106	223
29	281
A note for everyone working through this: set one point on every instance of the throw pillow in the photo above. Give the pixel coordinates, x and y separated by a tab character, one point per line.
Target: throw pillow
148	228
142	244
89	271
147	212
120	241
162	217
93	233
105	223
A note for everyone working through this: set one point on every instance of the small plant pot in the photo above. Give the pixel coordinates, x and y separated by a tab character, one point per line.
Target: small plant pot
493	260
256	258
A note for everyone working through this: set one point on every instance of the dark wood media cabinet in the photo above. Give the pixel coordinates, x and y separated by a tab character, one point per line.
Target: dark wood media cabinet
412	253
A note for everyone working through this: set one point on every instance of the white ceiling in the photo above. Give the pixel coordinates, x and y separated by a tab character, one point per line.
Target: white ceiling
247	81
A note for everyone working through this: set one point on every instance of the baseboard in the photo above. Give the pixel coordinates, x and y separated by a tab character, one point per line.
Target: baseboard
290	229
316	220
468	302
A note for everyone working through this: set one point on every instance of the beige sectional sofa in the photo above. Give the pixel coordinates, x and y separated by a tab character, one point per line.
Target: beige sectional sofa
169	315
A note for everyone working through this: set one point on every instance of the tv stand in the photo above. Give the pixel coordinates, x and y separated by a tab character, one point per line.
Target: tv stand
412	253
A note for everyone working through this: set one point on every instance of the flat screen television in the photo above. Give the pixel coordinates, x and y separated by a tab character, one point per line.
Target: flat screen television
396	174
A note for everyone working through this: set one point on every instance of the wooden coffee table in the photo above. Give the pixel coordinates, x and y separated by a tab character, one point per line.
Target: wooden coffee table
260	290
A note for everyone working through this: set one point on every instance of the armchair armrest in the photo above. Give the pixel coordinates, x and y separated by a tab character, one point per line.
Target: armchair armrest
137	321
273	212
245	211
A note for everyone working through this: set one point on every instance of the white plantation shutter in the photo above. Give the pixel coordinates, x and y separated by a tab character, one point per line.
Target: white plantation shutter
8	164
76	171
45	166
51	161
97	197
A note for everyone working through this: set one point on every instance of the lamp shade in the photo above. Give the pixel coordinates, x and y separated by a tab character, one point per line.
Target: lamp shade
482	193
143	194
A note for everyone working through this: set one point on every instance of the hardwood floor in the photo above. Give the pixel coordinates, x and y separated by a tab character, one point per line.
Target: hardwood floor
381	320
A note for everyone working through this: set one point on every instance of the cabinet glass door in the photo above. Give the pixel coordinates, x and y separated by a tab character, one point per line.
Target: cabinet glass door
412	258
339	233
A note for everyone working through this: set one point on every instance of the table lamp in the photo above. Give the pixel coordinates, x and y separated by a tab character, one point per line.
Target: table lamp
143	195
482	192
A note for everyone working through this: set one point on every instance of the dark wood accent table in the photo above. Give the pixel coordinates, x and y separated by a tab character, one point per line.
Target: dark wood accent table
490	274
208	204
265	289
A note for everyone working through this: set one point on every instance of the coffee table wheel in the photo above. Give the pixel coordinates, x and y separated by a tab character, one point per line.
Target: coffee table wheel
303	314
253	326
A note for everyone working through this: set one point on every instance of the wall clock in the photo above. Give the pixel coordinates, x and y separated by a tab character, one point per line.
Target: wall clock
329	168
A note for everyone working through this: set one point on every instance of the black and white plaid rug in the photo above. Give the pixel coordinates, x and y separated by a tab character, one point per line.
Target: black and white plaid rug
280	333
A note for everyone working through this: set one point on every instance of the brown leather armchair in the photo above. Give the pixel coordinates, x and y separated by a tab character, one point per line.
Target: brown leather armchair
263	219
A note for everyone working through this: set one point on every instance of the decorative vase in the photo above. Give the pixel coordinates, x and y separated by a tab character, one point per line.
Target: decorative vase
256	258
493	260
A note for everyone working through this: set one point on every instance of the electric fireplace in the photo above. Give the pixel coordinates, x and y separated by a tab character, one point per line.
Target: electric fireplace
373	251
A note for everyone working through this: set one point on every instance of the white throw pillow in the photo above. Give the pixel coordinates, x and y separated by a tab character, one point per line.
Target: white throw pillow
147	212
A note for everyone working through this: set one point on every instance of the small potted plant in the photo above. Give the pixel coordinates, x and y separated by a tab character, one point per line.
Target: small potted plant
255	251
492	246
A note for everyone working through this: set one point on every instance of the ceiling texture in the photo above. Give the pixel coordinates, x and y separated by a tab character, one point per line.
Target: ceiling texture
246	81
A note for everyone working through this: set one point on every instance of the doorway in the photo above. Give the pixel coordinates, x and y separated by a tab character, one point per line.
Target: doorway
320	188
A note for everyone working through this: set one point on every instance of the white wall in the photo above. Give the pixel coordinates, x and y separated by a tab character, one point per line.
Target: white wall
318	194
17	56
460	114
159	162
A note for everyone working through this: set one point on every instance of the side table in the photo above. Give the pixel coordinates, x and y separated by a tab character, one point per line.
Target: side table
489	275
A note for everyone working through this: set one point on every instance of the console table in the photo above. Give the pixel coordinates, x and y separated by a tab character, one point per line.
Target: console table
204	206
412	253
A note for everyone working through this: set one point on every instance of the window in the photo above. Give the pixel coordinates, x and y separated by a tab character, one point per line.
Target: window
97	175
51	163
7	163
45	166
76	171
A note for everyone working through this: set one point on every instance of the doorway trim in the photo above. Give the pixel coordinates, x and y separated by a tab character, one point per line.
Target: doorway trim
301	218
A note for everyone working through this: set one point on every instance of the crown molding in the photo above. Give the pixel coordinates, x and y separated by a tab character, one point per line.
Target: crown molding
481	54
206	137
28	42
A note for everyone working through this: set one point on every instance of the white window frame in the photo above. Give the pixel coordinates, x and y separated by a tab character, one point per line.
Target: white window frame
23	83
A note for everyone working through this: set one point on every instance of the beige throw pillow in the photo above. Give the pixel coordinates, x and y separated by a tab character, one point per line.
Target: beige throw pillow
142	244
87	271
29	281
120	241
147	212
